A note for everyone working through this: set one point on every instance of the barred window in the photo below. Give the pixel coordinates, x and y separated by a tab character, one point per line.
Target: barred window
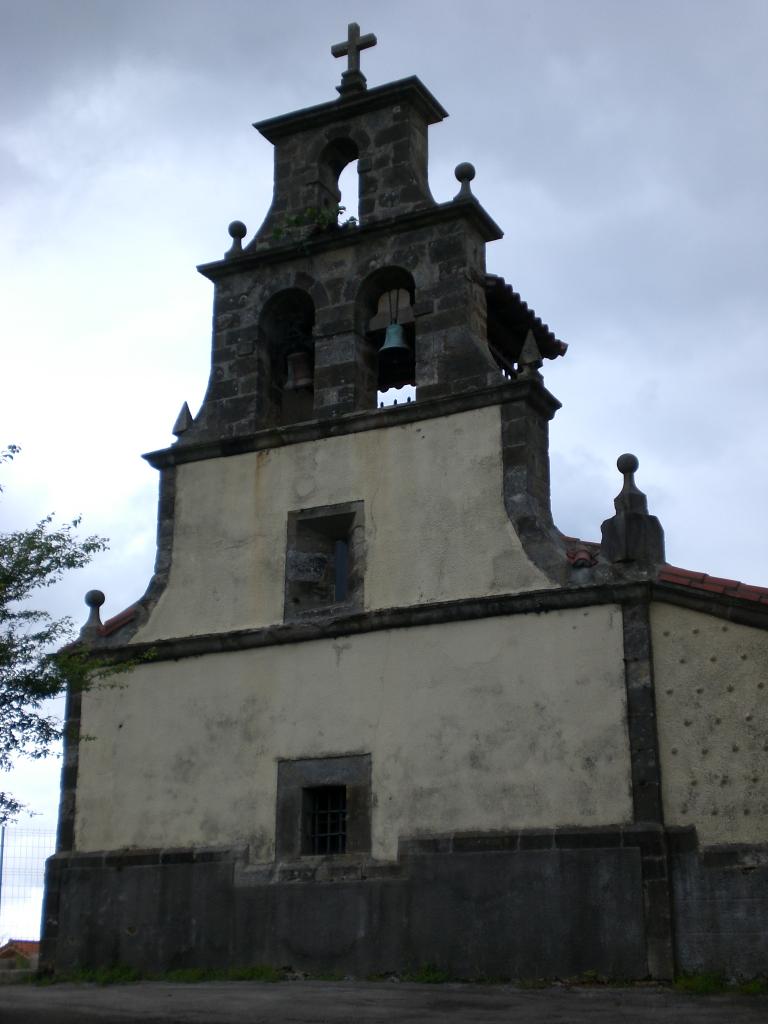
323	806
326	819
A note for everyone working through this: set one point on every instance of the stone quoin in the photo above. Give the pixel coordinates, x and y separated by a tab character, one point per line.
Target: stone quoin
379	712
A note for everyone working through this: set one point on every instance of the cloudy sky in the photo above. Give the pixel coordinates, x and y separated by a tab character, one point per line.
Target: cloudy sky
621	146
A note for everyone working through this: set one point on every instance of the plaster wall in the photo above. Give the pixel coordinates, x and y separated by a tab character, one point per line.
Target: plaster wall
711	689
435	524
488	724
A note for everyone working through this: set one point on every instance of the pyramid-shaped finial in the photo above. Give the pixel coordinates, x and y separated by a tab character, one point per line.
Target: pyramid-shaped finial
530	359
183	421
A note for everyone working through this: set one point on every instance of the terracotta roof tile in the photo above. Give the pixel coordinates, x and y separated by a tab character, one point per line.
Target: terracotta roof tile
509	320
687	579
712	584
113	624
26	947
677	576
577	542
727	584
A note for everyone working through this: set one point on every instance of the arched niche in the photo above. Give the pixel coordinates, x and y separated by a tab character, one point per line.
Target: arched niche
286	332
335	156
386	298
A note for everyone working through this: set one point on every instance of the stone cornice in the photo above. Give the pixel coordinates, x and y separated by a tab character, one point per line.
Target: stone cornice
405	90
248	259
734	609
322	627
356	422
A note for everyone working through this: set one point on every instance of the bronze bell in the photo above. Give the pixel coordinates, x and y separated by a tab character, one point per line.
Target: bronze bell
299	376
395	353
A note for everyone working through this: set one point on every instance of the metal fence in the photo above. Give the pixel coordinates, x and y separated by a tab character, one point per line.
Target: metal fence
23	852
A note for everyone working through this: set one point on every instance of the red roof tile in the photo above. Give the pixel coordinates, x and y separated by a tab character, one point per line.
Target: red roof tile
682	577
712	584
22	947
113	624
509	320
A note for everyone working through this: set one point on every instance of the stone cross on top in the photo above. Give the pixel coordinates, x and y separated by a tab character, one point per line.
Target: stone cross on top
353	80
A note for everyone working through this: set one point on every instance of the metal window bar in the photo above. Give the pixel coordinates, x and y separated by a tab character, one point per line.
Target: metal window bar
341	570
328	820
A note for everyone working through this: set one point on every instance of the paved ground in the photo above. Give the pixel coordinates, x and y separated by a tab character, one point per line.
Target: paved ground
314	1002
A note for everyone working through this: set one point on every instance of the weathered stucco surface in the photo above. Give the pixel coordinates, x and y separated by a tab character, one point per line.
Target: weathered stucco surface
711	690
435	524
487	724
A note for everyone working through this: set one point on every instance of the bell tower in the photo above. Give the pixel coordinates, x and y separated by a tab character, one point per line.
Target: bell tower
315	314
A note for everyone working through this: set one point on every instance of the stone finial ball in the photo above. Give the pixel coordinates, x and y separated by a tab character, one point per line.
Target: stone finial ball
95	599
464	172
627	463
237	229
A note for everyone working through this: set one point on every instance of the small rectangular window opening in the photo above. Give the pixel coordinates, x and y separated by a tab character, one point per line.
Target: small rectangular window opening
326	819
325	559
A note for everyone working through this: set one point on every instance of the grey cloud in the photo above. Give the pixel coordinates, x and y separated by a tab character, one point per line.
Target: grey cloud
621	147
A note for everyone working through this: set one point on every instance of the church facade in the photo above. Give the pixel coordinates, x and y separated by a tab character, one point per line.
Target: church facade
380	712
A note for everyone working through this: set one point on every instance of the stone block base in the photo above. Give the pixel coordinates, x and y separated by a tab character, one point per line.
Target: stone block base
520	905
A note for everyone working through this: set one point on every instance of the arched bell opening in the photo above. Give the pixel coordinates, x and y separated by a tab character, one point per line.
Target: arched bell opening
385	311
285	327
337	168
